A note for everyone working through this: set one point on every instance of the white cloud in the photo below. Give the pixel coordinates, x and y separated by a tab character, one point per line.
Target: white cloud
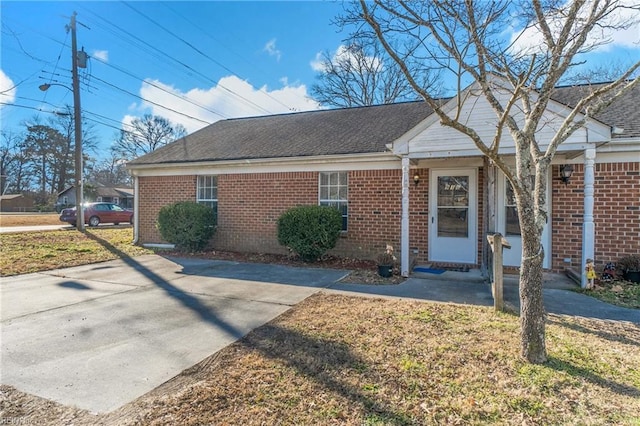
7	89
530	40
103	55
232	97
271	49
344	55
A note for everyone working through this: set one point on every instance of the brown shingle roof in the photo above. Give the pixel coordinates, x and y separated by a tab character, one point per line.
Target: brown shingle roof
324	132
624	112
338	131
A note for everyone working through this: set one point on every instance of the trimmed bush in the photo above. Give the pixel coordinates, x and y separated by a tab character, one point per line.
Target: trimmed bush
187	224
310	231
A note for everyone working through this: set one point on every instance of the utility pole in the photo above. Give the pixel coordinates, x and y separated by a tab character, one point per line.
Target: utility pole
79	184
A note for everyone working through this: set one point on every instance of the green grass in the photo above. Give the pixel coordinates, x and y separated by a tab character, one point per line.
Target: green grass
22	253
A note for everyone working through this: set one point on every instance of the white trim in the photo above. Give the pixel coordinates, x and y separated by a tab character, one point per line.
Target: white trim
327	163
588	226
136	210
404	228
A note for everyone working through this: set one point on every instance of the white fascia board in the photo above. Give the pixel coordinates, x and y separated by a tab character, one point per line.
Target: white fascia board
401	145
374	161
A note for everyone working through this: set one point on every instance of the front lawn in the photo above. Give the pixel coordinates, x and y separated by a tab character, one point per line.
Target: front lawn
27	252
334	359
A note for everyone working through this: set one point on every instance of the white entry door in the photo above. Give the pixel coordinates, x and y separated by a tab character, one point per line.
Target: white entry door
508	225
453	215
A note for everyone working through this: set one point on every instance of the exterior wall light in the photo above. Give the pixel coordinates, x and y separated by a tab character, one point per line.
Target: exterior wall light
416	179
566	171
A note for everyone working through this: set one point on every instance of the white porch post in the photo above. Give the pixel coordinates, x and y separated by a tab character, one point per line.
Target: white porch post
404	238
588	227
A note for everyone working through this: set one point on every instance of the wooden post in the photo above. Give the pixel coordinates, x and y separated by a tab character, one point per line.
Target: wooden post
497	243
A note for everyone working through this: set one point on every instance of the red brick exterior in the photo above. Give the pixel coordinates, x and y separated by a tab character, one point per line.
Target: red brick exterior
155	192
616	214
249	206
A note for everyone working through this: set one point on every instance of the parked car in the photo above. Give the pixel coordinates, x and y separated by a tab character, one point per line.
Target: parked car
95	213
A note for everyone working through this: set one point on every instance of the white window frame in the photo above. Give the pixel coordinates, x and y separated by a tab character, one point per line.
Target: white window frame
333	191
207	192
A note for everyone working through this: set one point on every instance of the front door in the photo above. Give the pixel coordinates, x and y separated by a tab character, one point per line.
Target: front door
509	226
453	216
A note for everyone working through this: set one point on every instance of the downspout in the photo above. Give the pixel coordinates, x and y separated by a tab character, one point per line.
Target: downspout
588	226
136	210
404	238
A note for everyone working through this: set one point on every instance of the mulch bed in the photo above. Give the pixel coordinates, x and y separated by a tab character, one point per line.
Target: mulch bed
362	271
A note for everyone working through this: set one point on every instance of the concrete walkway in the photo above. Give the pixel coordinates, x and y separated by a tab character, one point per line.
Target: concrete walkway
471	288
98	336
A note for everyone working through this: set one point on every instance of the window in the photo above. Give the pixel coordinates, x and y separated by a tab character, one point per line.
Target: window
512	223
333	192
207	193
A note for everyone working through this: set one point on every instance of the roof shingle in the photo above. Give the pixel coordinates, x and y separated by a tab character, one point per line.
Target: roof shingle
339	131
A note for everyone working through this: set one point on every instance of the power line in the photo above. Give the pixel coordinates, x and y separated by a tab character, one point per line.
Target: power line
219	42
150	101
164	28
181	63
184	98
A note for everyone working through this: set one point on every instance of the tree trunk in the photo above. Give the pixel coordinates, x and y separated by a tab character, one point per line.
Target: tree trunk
532	314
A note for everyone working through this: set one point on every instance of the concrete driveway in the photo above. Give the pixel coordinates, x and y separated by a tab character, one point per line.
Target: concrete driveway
101	335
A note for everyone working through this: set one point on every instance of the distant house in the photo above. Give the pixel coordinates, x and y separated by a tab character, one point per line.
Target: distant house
16	203
399	177
117	195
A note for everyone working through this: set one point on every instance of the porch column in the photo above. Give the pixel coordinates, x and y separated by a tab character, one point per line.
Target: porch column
588	227
404	238
136	210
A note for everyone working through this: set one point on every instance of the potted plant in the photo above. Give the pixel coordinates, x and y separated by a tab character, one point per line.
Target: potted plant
630	267
386	261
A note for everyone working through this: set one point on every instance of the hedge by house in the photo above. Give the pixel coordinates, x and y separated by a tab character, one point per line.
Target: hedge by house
310	231
187	224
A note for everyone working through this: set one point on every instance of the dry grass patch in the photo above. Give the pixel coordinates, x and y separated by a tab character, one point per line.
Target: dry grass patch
355	361
40	251
619	292
7	220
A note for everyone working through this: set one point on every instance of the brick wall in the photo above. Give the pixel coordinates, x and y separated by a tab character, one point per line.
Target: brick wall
249	206
616	214
155	192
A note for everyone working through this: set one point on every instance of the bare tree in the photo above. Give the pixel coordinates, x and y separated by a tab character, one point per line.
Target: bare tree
110	171
361	74
465	39
146	134
12	162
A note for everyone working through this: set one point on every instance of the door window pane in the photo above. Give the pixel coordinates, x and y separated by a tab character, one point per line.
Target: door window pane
453	206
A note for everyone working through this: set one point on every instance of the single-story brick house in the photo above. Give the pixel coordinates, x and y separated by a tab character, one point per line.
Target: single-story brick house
401	178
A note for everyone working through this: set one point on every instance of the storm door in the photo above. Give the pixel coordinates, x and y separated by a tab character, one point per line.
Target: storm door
453	217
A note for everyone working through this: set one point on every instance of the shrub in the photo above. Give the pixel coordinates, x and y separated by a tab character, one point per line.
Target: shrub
310	231
187	224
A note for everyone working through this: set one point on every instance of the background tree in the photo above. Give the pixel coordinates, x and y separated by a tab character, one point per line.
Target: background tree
46	149
466	40
12	162
361	74
146	134
110	171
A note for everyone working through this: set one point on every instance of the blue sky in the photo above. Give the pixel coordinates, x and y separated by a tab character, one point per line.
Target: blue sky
232	58
229	59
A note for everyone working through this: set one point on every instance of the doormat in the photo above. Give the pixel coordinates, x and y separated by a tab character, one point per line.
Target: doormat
430	270
452	267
